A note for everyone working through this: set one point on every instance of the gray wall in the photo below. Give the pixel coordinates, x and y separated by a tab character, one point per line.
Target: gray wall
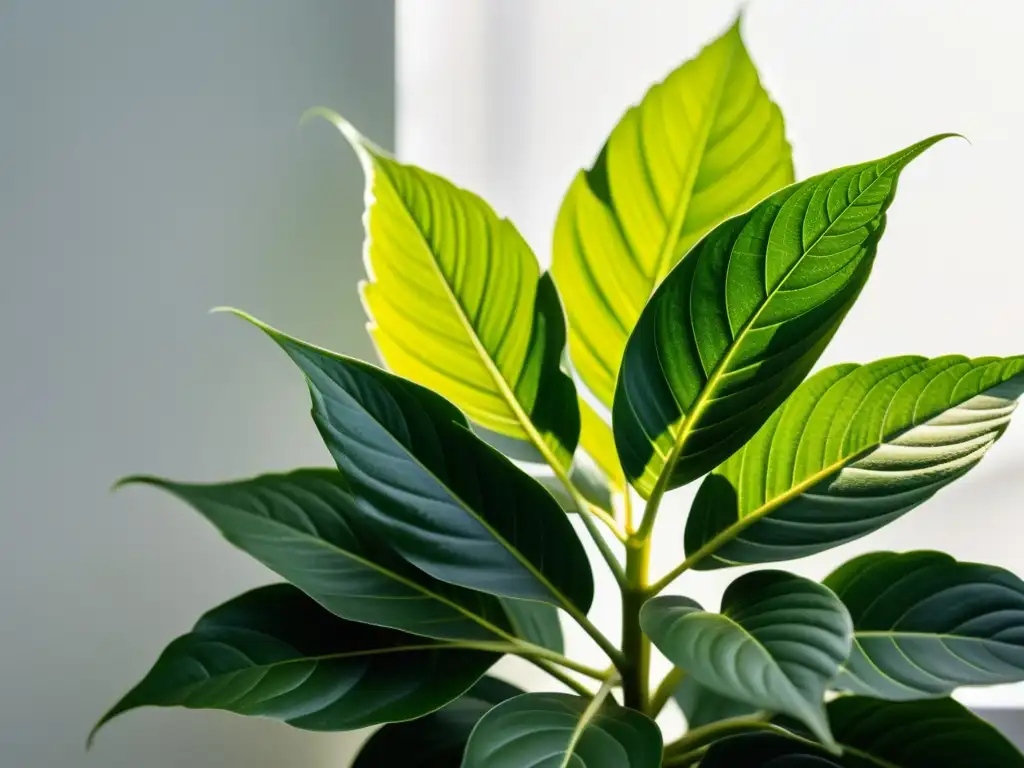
151	167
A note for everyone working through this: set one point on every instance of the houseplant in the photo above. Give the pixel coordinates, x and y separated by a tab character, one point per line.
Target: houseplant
694	284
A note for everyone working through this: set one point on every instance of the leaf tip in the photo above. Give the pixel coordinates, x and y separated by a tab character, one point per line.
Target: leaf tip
362	146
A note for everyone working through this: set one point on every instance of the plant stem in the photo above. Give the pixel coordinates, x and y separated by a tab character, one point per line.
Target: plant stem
562	677
603	548
532	652
664	691
635	646
617	657
701	737
688	563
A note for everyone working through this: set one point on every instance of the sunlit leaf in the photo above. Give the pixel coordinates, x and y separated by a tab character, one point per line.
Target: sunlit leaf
703	145
854	448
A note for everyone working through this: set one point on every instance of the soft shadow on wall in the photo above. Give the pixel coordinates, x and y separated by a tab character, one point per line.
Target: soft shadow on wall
151	167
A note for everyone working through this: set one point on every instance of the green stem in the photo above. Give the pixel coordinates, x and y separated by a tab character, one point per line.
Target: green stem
562	677
701	737
603	548
532	652
664	691
617	657
635	646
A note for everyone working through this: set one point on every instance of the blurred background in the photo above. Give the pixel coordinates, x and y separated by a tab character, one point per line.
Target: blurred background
152	166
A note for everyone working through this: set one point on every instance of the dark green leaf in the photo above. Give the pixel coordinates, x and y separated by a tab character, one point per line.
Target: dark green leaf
740	321
306	526
536	623
702	706
439	739
555	730
877	734
446	501
777	644
925	624
854	448
274	652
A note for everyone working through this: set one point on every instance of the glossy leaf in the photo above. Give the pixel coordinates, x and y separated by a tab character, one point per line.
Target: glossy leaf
702	706
877	734
436	740
556	730
703	145
925	624
446	501
457	303
855	447
306	527
274	652
739	323
777	644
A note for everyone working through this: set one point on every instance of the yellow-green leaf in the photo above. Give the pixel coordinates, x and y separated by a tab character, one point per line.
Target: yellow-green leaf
457	303
597	440
705	144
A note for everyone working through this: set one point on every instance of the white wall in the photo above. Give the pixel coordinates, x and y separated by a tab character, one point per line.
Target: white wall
512	96
151	167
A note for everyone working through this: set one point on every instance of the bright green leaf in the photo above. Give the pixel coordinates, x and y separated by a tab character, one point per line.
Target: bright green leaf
739	323
702	706
439	739
306	526
457	303
703	145
274	652
877	734
777	644
925	624
555	730
441	497
855	447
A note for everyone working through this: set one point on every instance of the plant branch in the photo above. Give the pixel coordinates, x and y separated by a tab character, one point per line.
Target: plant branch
562	677
531	652
635	646
701	737
664	691
617	657
606	552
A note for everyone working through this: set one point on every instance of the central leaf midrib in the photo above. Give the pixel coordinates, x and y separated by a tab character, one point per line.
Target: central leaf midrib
485	357
682	207
593	707
387	573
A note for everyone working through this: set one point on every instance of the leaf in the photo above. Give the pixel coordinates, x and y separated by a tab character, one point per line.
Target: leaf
446	501
306	527
556	730
855	447
703	145
777	644
536	623
925	624
702	706
436	740
597	440
876	734
457	303
274	652
739	323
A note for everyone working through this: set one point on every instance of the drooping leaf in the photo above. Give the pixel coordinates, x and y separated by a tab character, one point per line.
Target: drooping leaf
703	145
925	624
457	303
306	527
276	653
777	644
446	501
556	730
439	739
702	706
939	733
855	447
739	323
